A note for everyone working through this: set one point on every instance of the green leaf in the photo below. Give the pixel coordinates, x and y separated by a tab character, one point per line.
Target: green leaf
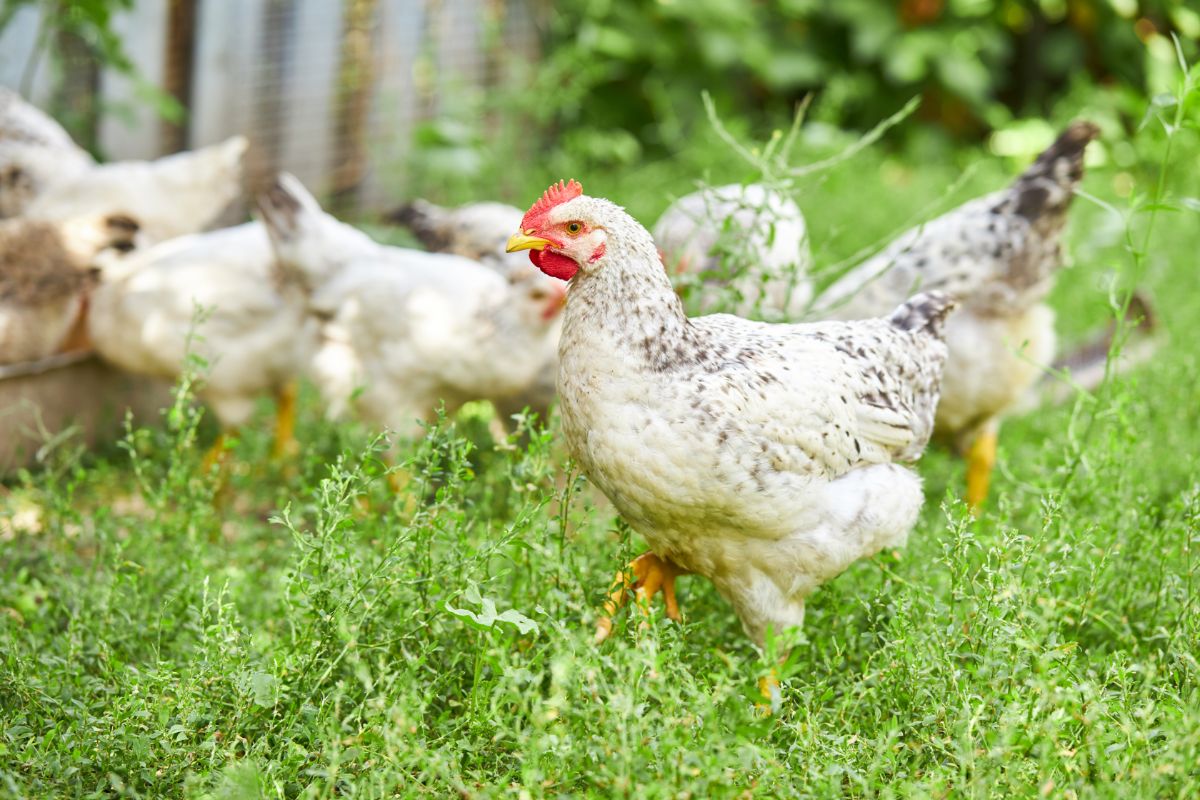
262	688
523	623
487	617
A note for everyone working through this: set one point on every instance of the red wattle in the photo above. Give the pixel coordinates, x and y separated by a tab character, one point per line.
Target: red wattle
556	265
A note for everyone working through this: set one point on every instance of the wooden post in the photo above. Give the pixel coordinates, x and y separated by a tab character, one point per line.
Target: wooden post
356	79
177	70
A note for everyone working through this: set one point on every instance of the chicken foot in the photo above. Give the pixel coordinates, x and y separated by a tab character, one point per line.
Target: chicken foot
647	575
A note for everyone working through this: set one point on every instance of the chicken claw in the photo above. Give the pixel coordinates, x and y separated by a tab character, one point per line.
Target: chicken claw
647	575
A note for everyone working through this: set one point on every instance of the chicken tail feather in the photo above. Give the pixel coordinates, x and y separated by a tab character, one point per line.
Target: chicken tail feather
424	220
1048	185
290	214
925	312
310	246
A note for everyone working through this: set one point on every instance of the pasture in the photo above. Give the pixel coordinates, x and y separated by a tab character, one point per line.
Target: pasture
381	615
315	635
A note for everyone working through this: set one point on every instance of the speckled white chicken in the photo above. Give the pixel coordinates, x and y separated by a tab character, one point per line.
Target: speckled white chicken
998	255
746	244
404	331
46	270
35	152
171	196
763	457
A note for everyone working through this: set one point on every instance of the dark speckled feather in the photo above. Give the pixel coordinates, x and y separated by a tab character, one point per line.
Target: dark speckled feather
475	230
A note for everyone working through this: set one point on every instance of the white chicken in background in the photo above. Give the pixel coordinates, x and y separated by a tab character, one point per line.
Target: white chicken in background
763	457
217	294
746	246
171	196
998	255
46	270
479	231
403	332
35	152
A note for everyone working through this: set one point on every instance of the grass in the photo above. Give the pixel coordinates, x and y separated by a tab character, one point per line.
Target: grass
321	637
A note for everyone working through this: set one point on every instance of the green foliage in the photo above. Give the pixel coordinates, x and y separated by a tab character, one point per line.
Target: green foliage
618	83
78	35
638	67
88	20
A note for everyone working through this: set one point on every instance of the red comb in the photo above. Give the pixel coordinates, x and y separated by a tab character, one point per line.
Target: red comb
558	193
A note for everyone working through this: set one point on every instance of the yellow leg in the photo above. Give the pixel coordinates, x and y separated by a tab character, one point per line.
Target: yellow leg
768	687
215	455
399	479
285	422
647	575
981	459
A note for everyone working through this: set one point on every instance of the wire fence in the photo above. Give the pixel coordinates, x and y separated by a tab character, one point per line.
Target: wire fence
331	91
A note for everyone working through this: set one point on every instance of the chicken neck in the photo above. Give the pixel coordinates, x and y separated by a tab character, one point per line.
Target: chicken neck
631	306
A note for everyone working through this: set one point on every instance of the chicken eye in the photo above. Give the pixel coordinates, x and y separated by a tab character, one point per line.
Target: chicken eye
574	228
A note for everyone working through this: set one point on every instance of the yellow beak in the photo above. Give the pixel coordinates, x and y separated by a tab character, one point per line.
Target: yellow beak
523	241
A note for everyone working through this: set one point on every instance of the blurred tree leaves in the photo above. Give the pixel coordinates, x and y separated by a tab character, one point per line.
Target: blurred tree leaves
613	65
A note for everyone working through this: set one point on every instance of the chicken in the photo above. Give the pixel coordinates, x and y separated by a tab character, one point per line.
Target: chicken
998	256
405	331
747	245
46	270
479	231
35	152
45	175
172	196
1093	361
214	293
764	457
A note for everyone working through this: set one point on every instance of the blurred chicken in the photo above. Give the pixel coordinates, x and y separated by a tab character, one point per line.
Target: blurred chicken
215	295
46	270
1087	366
403	331
479	231
747	245
35	152
172	196
763	457
998	255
